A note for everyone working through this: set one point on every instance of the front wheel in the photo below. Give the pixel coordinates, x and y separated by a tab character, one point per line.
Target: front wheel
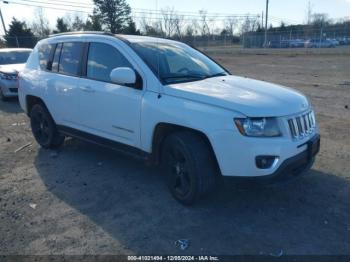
189	166
44	128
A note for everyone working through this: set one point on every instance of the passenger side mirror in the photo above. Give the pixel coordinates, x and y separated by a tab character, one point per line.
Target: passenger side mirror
123	76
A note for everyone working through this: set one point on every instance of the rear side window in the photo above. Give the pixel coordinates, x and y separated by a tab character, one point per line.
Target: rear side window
44	55
70	58
102	59
56	58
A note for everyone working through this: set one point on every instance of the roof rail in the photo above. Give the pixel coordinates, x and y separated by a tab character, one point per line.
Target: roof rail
83	32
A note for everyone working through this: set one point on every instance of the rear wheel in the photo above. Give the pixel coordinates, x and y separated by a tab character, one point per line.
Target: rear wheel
189	165
44	129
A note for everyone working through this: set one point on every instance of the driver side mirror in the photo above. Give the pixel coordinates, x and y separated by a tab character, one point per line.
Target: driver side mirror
123	76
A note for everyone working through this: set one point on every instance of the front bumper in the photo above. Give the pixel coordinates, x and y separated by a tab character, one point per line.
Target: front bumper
296	165
9	88
236	154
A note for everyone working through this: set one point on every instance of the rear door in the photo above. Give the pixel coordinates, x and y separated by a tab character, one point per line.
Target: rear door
107	109
63	85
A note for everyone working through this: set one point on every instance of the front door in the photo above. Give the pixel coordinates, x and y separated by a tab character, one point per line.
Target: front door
109	110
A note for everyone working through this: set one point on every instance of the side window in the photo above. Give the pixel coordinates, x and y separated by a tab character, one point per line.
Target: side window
44	55
102	59
56	58
70	58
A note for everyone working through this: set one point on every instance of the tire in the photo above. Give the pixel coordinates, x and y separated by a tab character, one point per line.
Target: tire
2	97
189	166
44	128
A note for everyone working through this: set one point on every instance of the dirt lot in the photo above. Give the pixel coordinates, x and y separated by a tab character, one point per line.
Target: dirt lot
89	200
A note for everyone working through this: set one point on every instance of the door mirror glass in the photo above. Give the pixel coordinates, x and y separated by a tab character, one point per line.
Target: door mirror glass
123	76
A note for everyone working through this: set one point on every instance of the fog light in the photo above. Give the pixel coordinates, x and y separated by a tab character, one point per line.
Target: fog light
265	162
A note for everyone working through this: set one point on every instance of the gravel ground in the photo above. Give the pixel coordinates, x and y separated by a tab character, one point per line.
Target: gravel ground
85	199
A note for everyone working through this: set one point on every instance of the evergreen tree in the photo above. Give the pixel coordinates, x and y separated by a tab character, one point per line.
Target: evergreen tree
115	15
61	26
19	35
93	23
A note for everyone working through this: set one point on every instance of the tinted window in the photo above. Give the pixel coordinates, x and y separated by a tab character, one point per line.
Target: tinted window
14	57
70	58
102	59
56	58
44	55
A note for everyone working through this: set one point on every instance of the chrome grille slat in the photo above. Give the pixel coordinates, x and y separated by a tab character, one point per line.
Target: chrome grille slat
302	125
296	127
299	126
307	124
291	127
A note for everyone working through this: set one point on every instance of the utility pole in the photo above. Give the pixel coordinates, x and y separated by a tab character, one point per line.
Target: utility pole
266	21
262	19
3	23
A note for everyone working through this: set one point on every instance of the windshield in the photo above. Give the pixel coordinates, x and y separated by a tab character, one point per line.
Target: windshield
14	57
177	63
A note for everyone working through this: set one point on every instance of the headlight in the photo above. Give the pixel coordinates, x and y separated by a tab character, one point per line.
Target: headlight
258	127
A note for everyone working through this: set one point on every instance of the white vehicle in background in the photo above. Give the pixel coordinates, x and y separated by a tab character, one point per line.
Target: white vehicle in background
12	61
166	102
317	43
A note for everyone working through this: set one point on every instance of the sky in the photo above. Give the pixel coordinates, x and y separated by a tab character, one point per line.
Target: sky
291	11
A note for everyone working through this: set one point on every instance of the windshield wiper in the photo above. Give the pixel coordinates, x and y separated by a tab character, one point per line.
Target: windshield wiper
184	76
216	75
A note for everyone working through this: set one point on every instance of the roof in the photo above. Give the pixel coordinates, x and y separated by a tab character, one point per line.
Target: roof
128	38
141	38
14	49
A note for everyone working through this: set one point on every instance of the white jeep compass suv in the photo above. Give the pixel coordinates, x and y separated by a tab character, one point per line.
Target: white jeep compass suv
164	101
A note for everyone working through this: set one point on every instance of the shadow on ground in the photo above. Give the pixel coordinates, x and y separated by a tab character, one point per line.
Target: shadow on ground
10	106
131	203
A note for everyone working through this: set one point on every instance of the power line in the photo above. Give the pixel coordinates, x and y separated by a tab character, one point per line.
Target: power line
140	15
55	4
49	7
144	12
134	10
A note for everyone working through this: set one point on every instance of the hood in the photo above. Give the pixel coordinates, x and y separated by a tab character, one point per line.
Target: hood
11	69
250	97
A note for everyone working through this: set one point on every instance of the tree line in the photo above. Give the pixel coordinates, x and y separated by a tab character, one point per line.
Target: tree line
115	16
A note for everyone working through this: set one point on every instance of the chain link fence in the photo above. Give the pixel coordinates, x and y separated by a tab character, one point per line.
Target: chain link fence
337	39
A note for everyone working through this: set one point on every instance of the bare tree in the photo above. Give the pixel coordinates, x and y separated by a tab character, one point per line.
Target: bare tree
168	15
204	22
40	26
320	19
178	24
196	26
152	27
230	25
211	27
249	24
189	31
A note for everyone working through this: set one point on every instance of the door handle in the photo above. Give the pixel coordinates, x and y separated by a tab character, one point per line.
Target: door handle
87	89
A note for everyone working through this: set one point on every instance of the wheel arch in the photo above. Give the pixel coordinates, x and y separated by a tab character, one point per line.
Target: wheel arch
163	130
33	100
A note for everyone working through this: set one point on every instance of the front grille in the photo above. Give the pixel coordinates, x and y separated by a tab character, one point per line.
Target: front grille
302	125
14	90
